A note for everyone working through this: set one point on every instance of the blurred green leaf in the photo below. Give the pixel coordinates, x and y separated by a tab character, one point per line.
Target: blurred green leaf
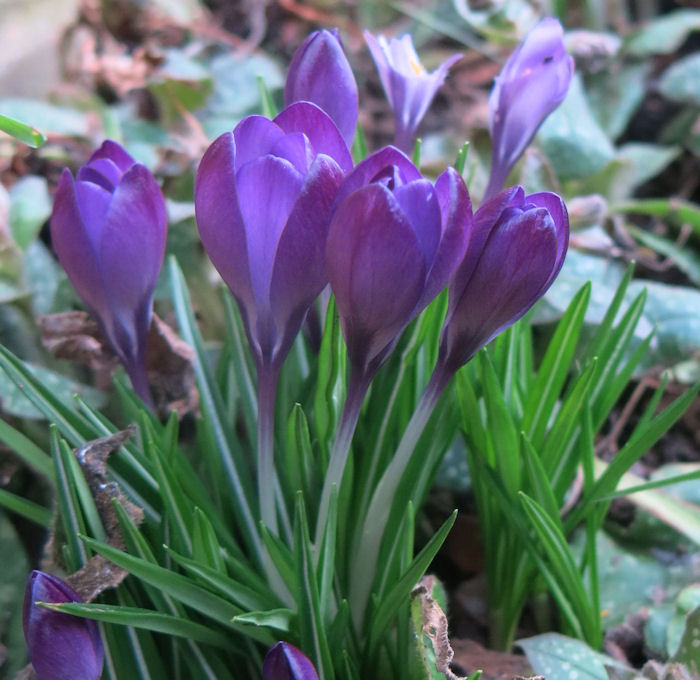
558	657
30	207
663	35
687	652
25	133
573	140
43	276
685	259
48	117
680	82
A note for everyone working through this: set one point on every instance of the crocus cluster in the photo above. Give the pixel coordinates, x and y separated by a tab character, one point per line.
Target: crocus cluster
61	646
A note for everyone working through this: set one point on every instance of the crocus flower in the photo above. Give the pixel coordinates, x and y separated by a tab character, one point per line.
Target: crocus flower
393	244
263	196
320	73
286	662
531	85
515	252
61	646
409	88
108	229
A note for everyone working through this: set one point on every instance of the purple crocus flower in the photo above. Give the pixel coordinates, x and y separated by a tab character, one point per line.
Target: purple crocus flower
263	196
286	662
531	85
393	243
517	247
320	73
108	229
409	88
61	646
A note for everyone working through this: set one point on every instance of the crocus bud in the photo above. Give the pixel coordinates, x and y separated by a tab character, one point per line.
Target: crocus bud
61	646
515	252
320	73
108	229
409	88
531	85
263	196
286	662
393	244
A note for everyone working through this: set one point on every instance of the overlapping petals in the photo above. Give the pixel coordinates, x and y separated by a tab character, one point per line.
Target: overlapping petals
61	647
393	244
286	662
515	252
531	85
320	73
108	228
409	88
263	197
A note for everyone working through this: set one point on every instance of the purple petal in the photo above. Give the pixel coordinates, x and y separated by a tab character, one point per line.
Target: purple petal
557	209
302	247
102	171
376	270
420	205
367	170
319	128
295	148
267	191
379	49
219	219
115	153
61	647
456	211
320	73
75	246
286	662
254	137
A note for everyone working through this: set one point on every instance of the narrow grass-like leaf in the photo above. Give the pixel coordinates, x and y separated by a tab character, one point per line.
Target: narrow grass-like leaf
538	482
312	631
267	103
554	369
326	559
25	133
278	619
210	401
144	618
27	450
26	508
206	548
461	159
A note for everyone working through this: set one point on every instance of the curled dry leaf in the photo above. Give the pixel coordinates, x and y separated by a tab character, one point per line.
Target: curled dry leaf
435	627
76	337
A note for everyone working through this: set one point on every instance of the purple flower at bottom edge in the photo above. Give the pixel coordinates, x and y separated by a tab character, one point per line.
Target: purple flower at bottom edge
286	662
409	88
108	228
263	197
393	244
517	247
320	73
533	82
61	646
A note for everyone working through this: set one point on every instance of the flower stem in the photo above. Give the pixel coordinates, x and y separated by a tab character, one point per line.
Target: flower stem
357	389
368	541
136	370
267	390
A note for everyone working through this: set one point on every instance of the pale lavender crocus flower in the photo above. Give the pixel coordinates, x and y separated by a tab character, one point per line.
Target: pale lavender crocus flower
409	88
108	228
533	82
286	662
263	197
320	73
61	646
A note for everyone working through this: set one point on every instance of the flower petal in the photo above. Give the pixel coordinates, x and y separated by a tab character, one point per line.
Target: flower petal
253	137
319	128
420	205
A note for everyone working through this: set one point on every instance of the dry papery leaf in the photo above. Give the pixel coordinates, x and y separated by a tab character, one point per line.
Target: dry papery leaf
76	337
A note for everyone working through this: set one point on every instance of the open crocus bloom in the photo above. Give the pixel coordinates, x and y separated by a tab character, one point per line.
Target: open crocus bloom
108	229
409	88
393	244
61	646
263	196
515	252
531	85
